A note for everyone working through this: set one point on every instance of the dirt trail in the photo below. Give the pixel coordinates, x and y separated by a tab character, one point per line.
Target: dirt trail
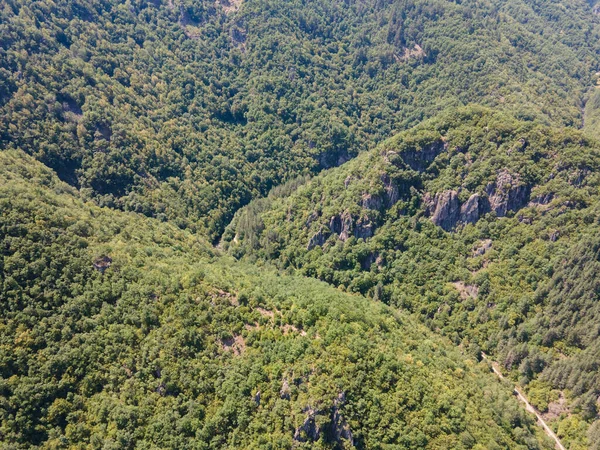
528	406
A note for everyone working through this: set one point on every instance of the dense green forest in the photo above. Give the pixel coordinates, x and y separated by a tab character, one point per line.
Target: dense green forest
280	224
483	225
122	332
186	110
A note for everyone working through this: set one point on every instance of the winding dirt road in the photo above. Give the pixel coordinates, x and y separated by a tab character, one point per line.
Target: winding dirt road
528	406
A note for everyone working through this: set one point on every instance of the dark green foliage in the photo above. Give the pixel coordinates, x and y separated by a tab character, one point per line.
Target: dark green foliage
184	110
571	319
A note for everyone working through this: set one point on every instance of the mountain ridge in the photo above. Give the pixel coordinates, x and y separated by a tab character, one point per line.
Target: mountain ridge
486	212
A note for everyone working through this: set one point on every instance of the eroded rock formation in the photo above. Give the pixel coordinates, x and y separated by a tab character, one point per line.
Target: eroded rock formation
506	193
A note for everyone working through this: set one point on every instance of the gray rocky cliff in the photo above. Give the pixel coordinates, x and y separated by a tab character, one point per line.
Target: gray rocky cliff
446	209
318	239
340	430
309	430
347	224
506	193
470	210
419	160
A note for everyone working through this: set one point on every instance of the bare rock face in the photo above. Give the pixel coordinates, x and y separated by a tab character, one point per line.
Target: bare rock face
344	226
102	263
482	247
578	177
309	430
318	239
419	160
369	201
392	191
340	430
335	430
507	194
385	200
429	203
256	398
347	181
470	210
364	228
369	260
446	210
347	226
541	200
285	392
335	224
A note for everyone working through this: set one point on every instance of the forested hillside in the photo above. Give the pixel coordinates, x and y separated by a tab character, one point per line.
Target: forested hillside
483	225
275	224
187	109
121	332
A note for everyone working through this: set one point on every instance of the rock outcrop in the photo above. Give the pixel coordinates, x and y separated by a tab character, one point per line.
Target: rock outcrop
365	228
369	201
102	263
318	239
347	225
340	430
309	430
482	247
446	209
471	209
385	200
285	392
419	160
330	159
362	226
392	191
541	199
256	398
506	193
335	224
337	430
370	259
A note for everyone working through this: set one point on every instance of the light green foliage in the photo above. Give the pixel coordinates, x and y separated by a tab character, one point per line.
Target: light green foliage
591	117
170	345
530	298
177	124
540	394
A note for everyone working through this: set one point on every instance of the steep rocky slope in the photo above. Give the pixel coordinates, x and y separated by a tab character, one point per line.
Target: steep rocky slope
133	131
